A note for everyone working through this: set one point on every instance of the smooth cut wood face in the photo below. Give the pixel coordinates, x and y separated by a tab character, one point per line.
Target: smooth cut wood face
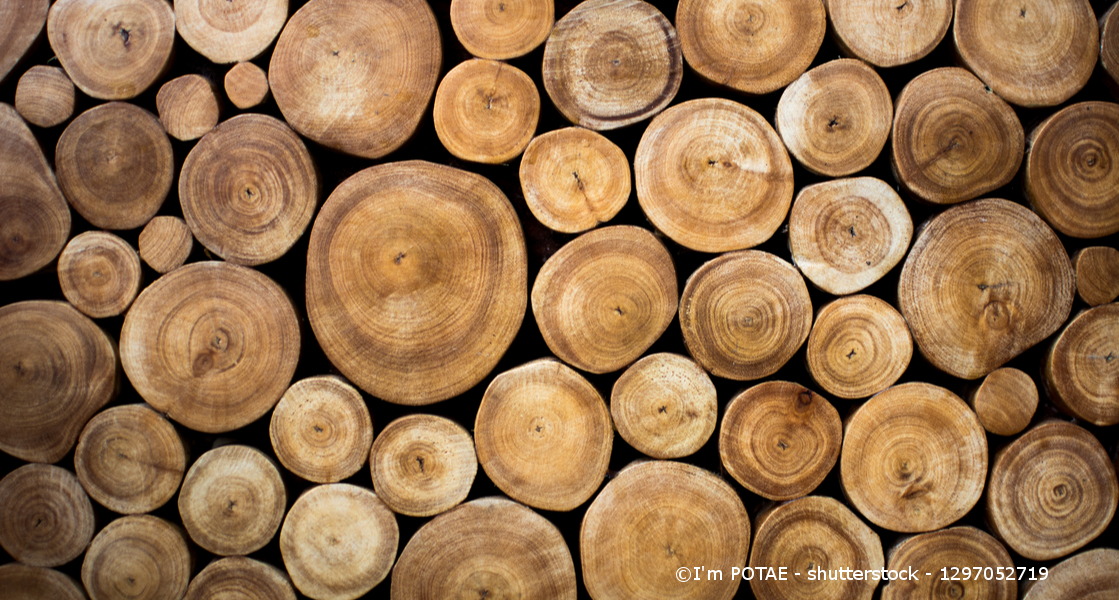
654	519
20	24
983	282
1082	367
1005	402
141	557
859	346
213	345
664	405
942	552
45	96
321	429
34	217
57	369
889	34
47	519
1091	575
486	111
1097	274
416	280
755	47
39	582
99	273
502	29
357	75
240	578
488	548
612	63
914	458
225	31
713	175
423	465
1035	53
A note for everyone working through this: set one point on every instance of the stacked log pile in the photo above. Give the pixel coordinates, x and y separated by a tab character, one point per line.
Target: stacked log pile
348	299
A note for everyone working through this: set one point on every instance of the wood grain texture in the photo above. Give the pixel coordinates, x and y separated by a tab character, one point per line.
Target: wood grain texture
664	405
486	111
744	314
755	48
859	346
115	165
983	282
321	429
423	465
1082	367
188	106
112	49
21	582
779	439
1034	54
835	119
713	175
57	369
657	517
1051	491
246	85
1090	575
329	48
1097	274
889	34
99	274
45	95
227	32
165	243
409	263
1072	170
1005	402
914	458
34	217
544	435
489	547
502	29
21	23
212	345
941	553
605	297
240	578
47	519
140	557
612	63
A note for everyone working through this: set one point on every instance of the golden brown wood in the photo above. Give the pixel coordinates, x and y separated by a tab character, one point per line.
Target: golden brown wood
20	582
655	522
388	49
1051	491
225	31
423	465
138	557
57	369
665	406
246	85
112	49
1080	369
605	297
754	48
889	34
240	578
1005	402
574	179
47	519
502	29
130	459
1097	274
338	541
859	346
115	165
487	548
713	175
44	95
952	139
188	106
1090	575
21	23
983	282
165	243
835	119
949	552
416	280
212	345
34	218
818	536
1109	43
1072	176
1032	54
321	429
779	439
543	435
245	209
486	111
914	458
845	234
99	273
233	500
744	314
612	63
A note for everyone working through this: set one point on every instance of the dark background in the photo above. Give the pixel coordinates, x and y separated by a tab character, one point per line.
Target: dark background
541	242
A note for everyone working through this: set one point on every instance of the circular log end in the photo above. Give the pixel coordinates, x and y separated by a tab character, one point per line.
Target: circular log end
1081	367
246	85
47	519
1097	274
188	107
859	346
45	96
914	458
240	578
38	583
940	554
423	465
779	439
99	274
502	29
1005	402
889	34
664	406
544	435
165	243
321	429
227	32
486	111
1091	575
140	557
